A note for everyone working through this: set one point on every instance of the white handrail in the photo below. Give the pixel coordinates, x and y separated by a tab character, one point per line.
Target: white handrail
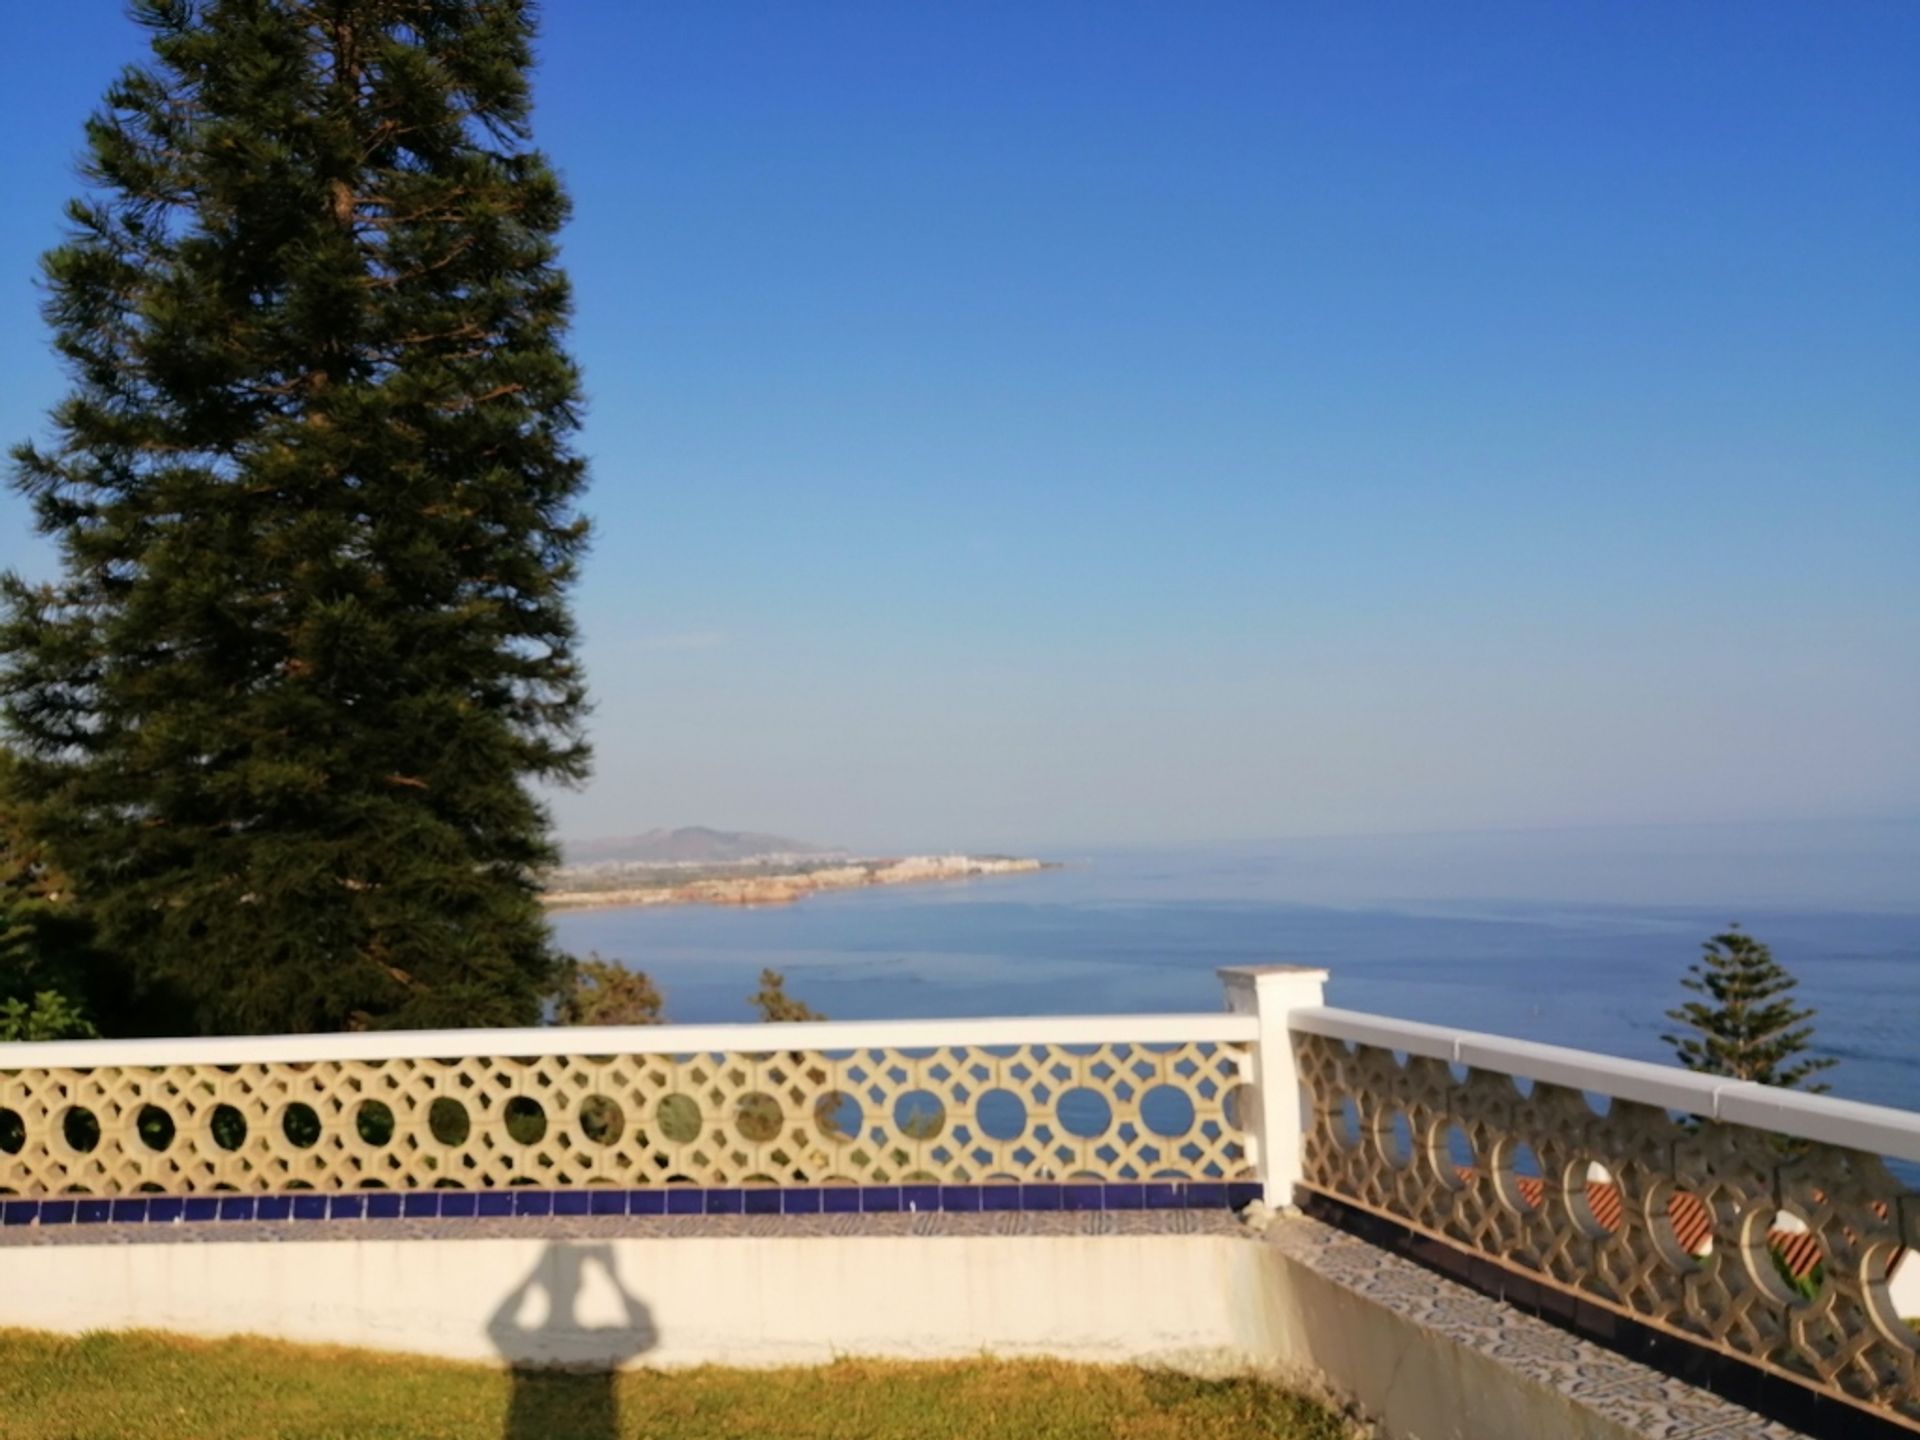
1876	1129
830	1035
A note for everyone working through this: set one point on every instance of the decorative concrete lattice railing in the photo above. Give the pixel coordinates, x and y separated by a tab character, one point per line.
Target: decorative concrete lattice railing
1758	1222
1120	1101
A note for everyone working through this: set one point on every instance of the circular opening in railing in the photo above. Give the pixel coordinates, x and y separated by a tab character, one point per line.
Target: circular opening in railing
680	1119
373	1122
1167	1110
1877	1268
1237	1106
1450	1153
1518	1179
13	1131
919	1115
525	1119
300	1124
1593	1198
227	1126
602	1120
1395	1140
1084	1112
1001	1115
1682	1226
154	1126
1346	1124
837	1116
757	1117
448	1122
80	1128
1783	1255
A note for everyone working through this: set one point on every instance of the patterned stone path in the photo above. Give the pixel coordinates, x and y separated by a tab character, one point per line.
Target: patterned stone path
1610	1384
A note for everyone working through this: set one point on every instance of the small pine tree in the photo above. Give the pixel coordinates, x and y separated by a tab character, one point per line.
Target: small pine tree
1747	1028
594	991
313	493
775	1005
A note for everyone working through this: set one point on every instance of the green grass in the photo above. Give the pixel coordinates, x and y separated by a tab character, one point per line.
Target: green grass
143	1386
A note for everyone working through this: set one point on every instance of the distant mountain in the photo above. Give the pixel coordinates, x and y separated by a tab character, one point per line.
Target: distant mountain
689	845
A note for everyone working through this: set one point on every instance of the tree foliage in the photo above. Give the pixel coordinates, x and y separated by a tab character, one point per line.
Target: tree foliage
313	493
47	963
775	1005
48	1015
594	991
1747	1027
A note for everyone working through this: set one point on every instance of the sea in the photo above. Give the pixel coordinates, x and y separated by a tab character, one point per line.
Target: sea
1145	930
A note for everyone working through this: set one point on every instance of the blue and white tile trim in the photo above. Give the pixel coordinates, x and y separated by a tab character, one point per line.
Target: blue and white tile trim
609	1201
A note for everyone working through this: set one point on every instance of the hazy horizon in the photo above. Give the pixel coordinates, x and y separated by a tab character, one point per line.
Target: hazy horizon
1871	864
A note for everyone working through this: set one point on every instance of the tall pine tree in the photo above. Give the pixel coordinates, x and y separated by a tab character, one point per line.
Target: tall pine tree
1747	1027
313	489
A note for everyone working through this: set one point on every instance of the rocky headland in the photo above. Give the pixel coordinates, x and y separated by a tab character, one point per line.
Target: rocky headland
775	881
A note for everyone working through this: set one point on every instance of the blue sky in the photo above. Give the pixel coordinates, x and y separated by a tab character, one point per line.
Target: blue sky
1023	424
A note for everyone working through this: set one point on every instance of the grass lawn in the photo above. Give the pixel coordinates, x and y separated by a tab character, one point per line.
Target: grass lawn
156	1387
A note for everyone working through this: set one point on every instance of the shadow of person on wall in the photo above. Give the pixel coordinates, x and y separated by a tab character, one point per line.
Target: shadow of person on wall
564	1331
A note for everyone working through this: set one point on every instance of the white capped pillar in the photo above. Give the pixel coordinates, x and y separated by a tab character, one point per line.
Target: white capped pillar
1276	1125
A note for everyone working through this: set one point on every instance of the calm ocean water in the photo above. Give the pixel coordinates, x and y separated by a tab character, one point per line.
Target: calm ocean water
1144	932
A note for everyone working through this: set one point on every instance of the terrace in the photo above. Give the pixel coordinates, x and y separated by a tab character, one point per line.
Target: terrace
1452	1233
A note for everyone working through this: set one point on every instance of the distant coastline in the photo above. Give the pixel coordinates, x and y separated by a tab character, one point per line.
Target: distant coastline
780	880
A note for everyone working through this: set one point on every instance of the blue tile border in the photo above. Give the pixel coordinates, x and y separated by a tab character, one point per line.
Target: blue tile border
919	1197
602	1200
800	1201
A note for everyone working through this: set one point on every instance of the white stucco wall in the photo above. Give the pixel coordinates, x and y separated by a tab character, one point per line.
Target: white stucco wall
681	1301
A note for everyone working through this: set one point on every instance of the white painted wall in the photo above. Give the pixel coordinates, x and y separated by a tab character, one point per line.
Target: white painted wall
670	1302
